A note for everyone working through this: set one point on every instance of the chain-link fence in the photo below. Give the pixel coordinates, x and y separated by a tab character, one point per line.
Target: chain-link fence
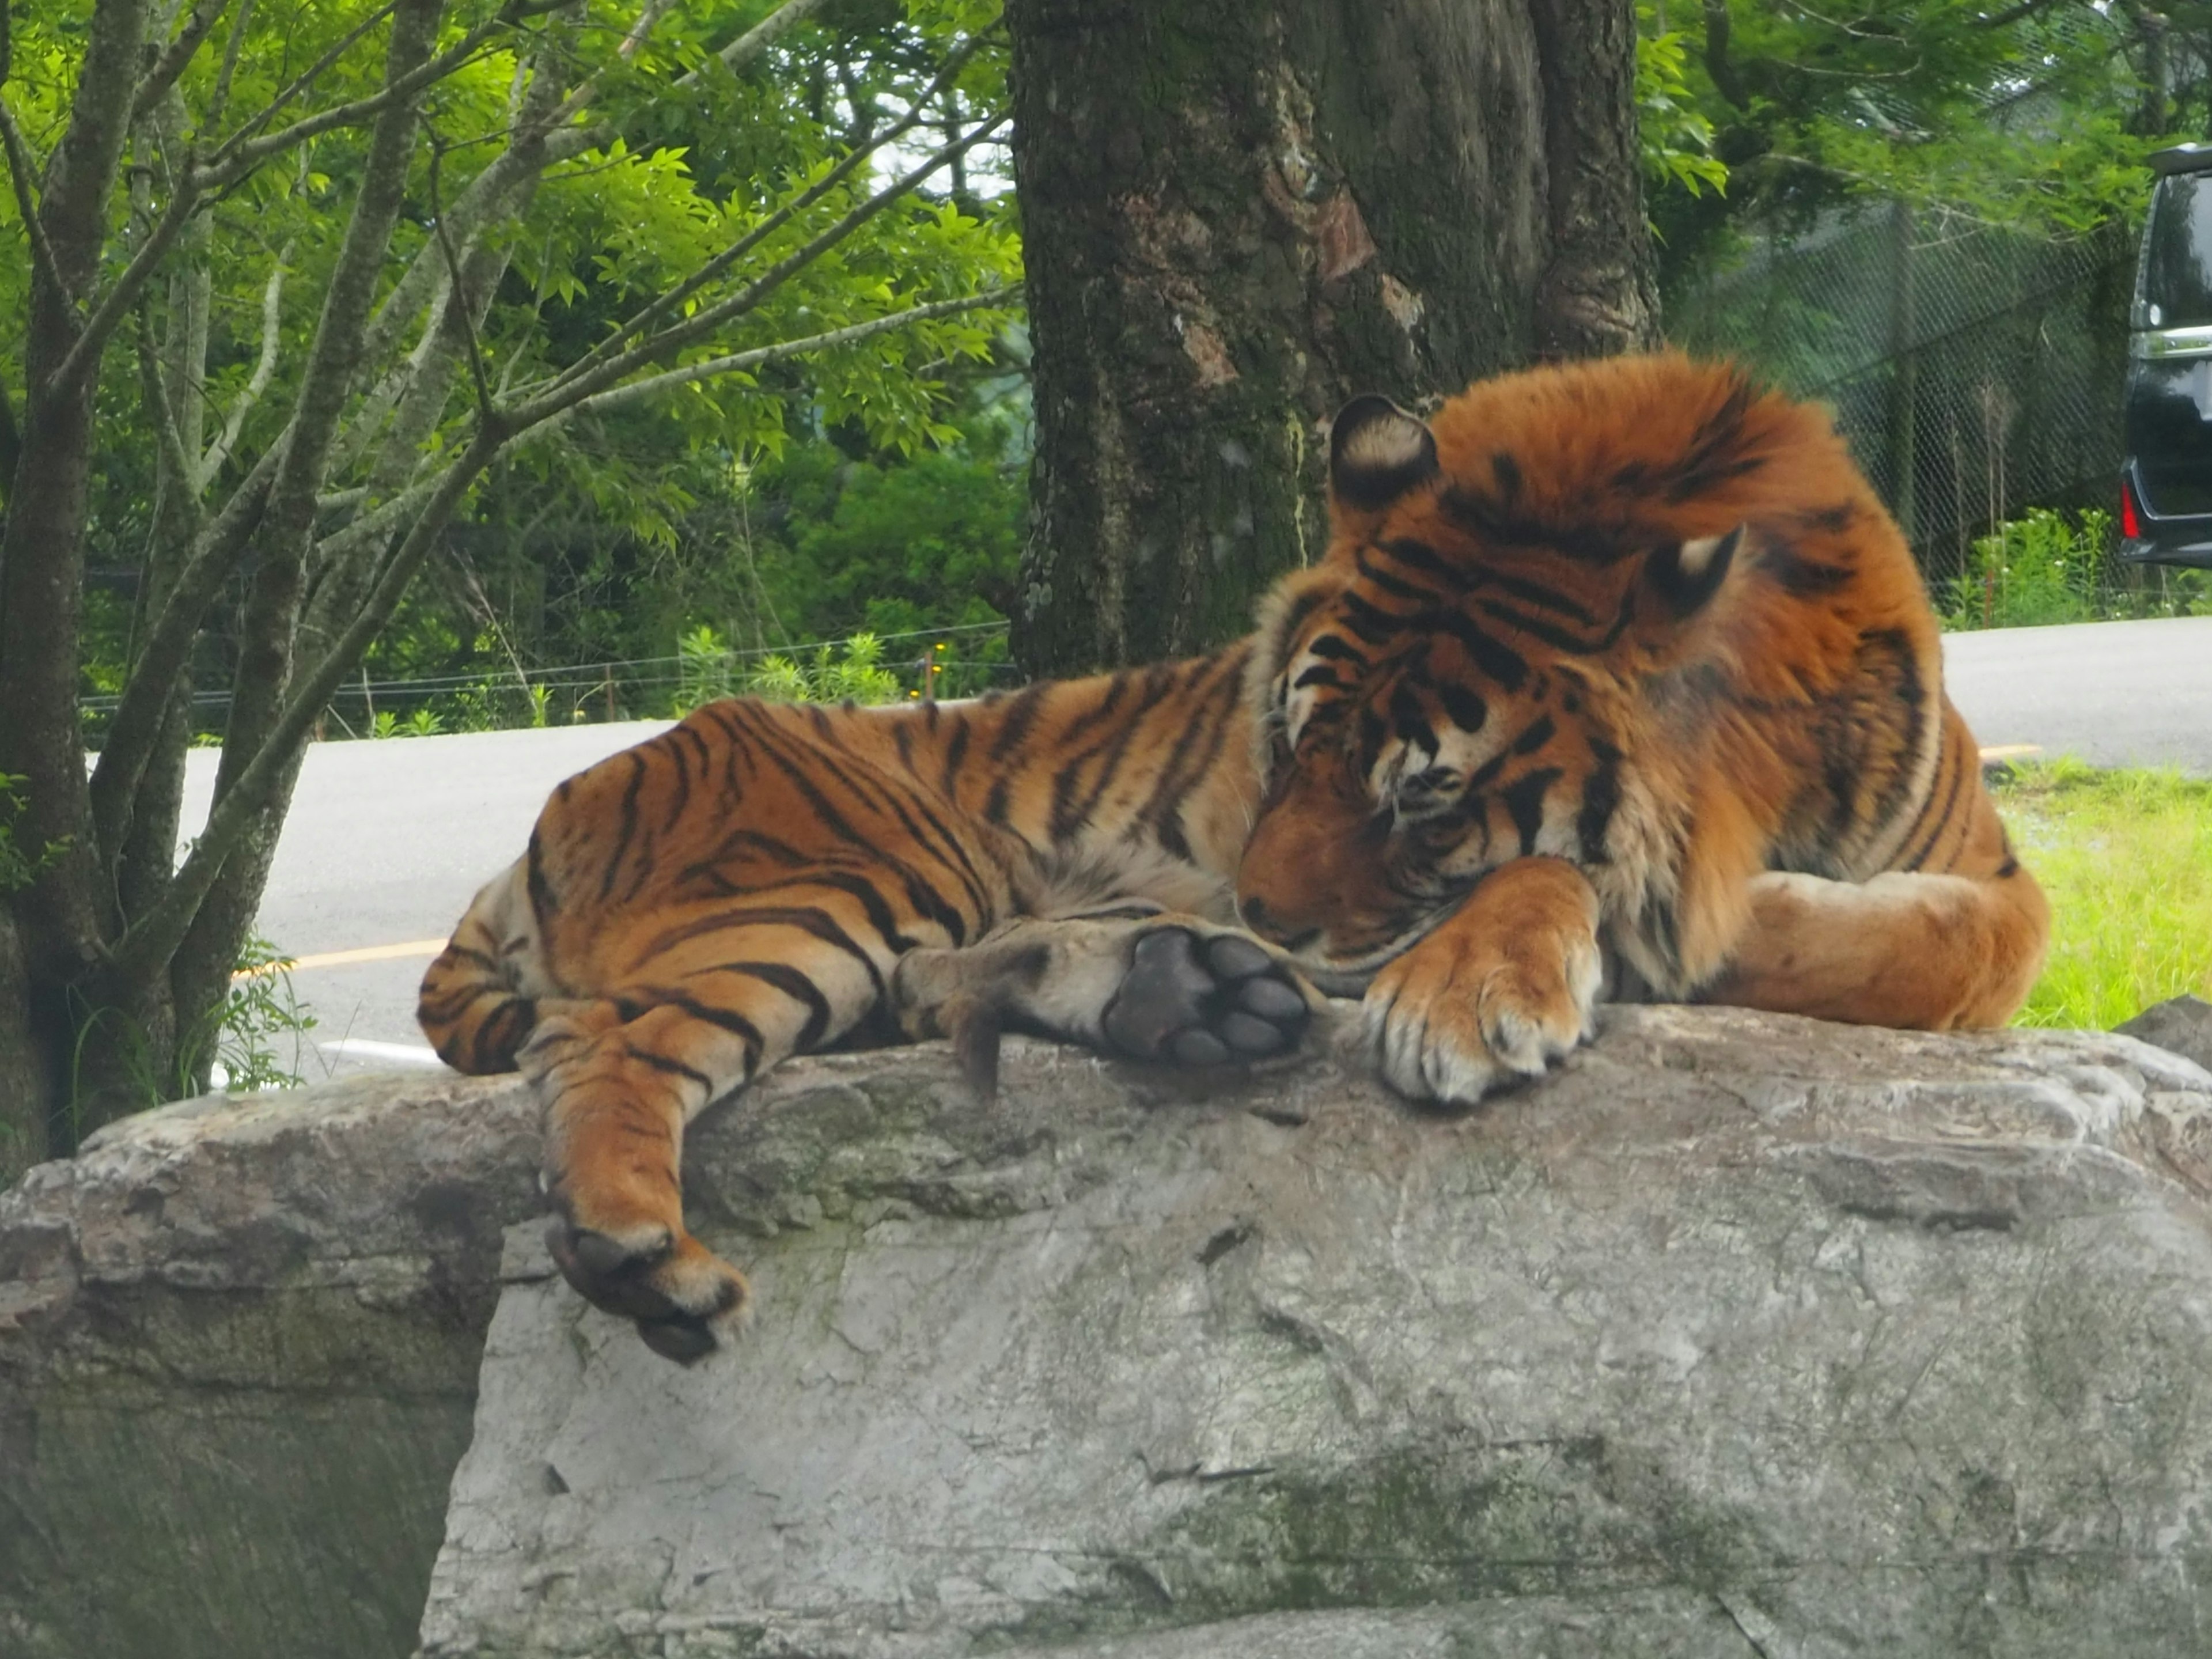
1976	370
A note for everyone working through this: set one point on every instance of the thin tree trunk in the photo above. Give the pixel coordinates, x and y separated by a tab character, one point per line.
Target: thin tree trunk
1240	215
56	923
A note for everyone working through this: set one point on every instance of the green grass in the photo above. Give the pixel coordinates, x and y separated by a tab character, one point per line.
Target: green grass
2126	857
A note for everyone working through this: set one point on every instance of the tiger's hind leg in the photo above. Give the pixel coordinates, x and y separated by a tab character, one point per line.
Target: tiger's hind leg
1954	938
622	1076
1915	951
1162	987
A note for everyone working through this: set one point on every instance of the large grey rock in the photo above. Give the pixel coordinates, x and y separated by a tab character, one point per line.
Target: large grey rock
2182	1024
239	1342
1740	1336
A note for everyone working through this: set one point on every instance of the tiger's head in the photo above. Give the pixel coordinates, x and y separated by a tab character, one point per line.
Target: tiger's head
1514	594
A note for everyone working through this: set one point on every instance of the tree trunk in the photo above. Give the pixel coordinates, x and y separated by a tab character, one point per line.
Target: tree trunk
1238	216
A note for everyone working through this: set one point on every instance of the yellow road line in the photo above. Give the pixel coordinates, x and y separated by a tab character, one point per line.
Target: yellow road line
413	947
2004	752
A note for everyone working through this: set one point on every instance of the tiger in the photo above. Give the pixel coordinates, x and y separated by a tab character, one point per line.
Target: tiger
1615	680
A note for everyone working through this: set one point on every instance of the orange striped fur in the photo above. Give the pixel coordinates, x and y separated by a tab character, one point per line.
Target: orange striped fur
1613	672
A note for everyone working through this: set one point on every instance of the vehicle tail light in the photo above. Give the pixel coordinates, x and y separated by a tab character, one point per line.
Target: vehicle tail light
2131	524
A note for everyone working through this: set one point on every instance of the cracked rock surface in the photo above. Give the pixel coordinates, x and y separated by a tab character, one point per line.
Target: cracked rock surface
239	1343
1739	1335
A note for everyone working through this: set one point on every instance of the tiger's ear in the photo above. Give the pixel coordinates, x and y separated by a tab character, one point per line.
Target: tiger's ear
1377	452
1688	574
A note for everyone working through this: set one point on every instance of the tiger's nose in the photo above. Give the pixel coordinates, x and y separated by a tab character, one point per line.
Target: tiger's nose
1256	916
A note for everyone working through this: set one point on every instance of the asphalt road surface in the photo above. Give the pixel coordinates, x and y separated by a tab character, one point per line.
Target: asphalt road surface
387	842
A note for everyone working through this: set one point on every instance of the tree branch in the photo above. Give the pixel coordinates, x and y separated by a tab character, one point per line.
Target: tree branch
137	725
764	33
662	304
123	295
151	940
636	391
572	385
219	101
240	153
1719	64
164	412
265	369
178	53
20	172
458	305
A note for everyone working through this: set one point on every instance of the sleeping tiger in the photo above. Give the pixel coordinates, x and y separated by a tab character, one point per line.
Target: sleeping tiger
1616	672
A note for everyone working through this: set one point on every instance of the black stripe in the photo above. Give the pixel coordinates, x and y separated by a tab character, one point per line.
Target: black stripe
663	1064
1463	706
1332	649
1396	587
1524	802
1943	818
626	822
1067	814
806	919
955	750
1021	715
792	983
1489	522
1538	733
1366	622
722	1019
1601	800
1192	763
543	902
1490	658
1800	577
678	739
926	900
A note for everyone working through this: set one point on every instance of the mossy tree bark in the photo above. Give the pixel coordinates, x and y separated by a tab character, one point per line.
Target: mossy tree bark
1239	214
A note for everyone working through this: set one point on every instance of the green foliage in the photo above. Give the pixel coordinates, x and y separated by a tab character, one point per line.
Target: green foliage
852	671
706	670
260	1013
2053	567
2044	569
694	158
1675	138
2125	858
19	869
2036	117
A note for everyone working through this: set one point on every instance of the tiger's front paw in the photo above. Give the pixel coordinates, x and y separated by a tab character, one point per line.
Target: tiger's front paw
1505	987
1204	997
685	1300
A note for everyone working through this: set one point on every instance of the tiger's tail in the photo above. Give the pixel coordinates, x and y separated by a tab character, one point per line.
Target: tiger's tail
473	1007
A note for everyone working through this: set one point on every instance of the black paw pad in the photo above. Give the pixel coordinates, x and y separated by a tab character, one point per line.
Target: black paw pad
682	1338
608	1273
1204	1001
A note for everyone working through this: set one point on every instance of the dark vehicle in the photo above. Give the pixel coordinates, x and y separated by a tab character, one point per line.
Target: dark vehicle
2166	483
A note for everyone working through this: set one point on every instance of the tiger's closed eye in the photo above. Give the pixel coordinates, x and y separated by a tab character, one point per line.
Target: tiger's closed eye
1427	793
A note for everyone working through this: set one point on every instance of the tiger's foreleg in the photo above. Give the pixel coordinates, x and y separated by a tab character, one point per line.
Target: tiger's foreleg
621	1078
1503	986
1161	987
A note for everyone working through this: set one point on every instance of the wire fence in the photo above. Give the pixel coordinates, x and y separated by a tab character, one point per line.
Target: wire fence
1976	370
960	660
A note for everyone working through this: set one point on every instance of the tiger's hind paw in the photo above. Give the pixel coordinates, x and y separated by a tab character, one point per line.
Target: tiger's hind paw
685	1300
1205	999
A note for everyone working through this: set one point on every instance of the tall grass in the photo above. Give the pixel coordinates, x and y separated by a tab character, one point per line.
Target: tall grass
2063	568
2126	858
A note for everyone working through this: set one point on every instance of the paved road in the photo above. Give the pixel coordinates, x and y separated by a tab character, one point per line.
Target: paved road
385	845
387	842
2116	694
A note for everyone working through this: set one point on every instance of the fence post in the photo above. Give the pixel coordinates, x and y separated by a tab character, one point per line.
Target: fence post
1904	374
